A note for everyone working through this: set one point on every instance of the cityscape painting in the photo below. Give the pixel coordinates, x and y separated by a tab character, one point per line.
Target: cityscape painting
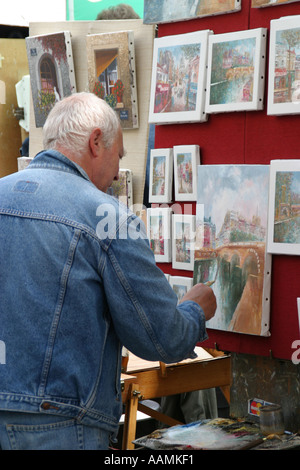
284	209
166	11
161	175
159	233
179	78
230	247
236	63
284	66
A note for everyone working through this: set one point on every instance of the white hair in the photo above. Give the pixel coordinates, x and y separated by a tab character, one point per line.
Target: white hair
71	121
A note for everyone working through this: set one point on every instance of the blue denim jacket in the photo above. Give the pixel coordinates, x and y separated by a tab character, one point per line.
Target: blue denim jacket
78	281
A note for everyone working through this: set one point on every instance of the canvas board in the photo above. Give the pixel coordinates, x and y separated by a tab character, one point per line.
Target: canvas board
236	71
122	188
178	78
167	11
186	161
284	207
159	233
269	3
183	241
180	285
112	73
284	66
161	175
51	68
230	248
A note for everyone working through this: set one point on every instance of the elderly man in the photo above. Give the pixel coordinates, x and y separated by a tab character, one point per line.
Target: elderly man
74	292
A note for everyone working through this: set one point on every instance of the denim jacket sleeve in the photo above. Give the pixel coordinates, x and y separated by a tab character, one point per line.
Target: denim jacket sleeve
142	304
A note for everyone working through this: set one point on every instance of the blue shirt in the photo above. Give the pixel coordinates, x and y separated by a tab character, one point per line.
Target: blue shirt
79	280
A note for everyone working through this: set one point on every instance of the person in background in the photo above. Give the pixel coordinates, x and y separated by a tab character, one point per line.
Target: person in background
78	282
119	12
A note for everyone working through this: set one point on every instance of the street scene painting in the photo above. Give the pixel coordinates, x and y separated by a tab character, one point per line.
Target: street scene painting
178	78
161	175
284	216
183	241
159	233
230	247
166	11
284	66
180	285
186	160
236	63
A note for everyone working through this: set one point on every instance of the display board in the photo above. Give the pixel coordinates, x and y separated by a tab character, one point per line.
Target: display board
245	137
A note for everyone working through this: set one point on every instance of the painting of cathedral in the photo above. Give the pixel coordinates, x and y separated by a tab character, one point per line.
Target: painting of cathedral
51	69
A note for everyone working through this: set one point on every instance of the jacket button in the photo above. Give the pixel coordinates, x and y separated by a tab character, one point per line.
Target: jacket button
46	406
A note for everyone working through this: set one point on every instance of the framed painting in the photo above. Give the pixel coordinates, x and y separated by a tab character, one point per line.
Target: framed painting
51	68
167	11
186	160
122	188
183	241
180	285
269	3
159	233
230	247
236	71
178	78
112	74
284	207
161	175
284	66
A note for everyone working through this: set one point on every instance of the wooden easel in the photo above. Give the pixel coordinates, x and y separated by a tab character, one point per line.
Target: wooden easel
155	379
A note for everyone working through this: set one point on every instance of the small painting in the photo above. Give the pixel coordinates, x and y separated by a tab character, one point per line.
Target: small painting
112	74
167	11
183	241
236	71
178	78
284	66
159	233
284	207
51	68
269	3
161	175
186	160
230	249
180	285
122	188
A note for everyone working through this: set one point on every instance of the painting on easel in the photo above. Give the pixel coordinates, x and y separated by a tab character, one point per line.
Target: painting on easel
230	248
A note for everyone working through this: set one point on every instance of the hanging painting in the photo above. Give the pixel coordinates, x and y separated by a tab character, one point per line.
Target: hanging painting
161	175
230	248
269	3
284	66
51	68
167	11
236	71
284	207
122	188
159	233
178	78
186	160
112	75
180	285
183	241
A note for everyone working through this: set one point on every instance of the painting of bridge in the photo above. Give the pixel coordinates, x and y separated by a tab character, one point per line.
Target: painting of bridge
230	248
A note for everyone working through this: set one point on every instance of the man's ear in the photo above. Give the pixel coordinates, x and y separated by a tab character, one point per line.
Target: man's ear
95	142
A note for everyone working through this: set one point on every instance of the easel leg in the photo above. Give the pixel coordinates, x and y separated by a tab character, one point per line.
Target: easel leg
130	419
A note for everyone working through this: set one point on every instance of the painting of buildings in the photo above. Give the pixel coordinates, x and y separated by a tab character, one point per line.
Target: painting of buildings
166	11
51	68
230	249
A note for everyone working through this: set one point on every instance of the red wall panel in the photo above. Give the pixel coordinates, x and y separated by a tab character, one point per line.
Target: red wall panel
251	138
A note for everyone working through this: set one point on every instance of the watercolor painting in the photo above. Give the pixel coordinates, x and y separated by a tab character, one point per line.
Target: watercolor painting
284	66
230	248
178	78
236	63
183	241
161	175
186	160
112	75
51	68
167	11
122	188
159	233
284	209
269	3
180	285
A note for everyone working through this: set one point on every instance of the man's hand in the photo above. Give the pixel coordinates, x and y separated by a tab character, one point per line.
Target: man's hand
203	296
